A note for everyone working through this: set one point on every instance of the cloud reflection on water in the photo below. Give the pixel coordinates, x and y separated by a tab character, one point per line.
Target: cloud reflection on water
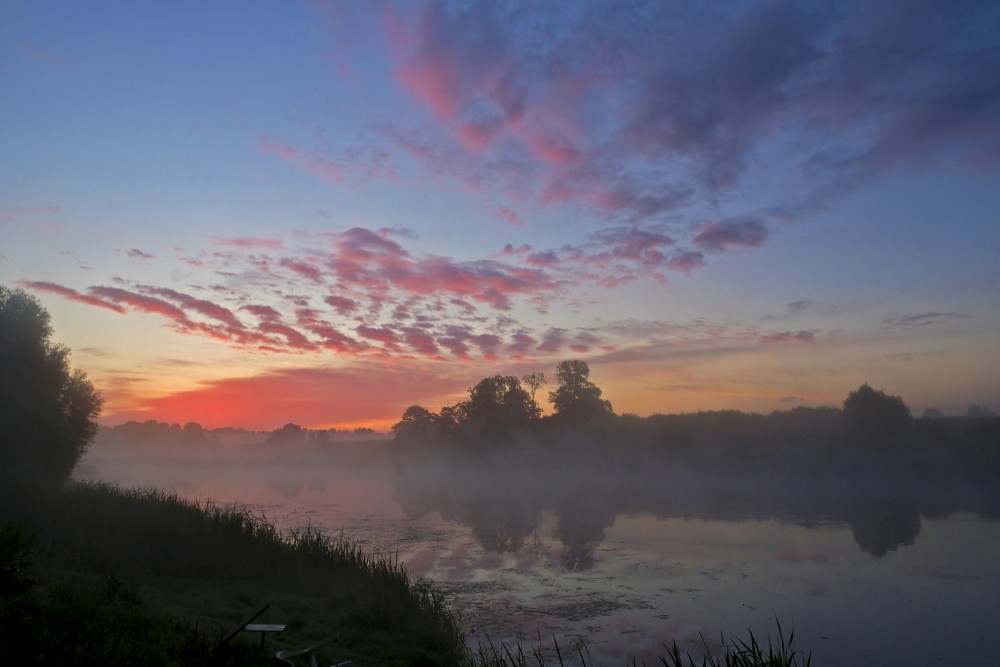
628	563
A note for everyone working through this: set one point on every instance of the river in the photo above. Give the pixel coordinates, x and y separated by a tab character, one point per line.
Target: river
626	565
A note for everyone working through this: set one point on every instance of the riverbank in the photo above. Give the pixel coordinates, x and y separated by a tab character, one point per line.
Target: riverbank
97	575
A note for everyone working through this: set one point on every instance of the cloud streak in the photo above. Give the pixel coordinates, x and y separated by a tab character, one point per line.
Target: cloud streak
922	319
70	294
789	337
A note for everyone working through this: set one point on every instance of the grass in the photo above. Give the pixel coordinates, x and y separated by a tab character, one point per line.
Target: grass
124	577
734	653
99	575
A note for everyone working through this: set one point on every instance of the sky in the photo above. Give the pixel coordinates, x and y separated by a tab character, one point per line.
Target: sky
251	213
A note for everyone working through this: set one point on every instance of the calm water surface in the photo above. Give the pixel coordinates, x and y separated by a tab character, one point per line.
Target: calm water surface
624	581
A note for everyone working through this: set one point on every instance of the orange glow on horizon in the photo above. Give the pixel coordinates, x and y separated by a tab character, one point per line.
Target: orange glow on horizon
312	398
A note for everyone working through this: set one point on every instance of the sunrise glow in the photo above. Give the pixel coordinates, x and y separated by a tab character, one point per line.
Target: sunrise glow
249	214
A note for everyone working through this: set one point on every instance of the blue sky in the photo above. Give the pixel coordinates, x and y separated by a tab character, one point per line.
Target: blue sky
360	206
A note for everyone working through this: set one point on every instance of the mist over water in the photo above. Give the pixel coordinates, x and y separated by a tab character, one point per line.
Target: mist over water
882	565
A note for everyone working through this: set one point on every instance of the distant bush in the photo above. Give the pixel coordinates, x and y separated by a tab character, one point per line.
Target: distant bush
871	413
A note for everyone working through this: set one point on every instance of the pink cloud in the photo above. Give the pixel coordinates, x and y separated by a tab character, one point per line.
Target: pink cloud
511	251
280	150
686	261
304	269
71	294
477	135
366	260
384	335
387	300
547	259
331	338
584	341
421	342
728	234
316	165
553	341
511	217
135	253
292	336
264	313
466	80
553	149
140	302
488	344
429	77
342	304
521	344
363	244
203	306
149	301
456	339
642	245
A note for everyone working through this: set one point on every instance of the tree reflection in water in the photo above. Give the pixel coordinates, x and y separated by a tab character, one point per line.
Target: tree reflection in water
503	507
581	528
499	524
879	529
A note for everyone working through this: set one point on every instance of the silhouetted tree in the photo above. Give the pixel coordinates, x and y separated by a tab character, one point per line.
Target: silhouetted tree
533	380
194	433
289	434
871	413
417	424
498	406
450	418
48	411
577	399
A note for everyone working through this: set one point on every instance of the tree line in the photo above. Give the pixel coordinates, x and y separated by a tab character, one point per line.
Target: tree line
157	433
502	407
49	410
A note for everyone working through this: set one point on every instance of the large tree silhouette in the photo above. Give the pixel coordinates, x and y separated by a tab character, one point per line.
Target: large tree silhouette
577	399
498	406
48	411
416	425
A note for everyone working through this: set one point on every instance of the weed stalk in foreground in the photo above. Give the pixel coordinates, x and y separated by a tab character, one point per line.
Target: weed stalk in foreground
735	653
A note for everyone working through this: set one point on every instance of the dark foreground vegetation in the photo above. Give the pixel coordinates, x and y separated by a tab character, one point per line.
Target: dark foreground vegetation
102	576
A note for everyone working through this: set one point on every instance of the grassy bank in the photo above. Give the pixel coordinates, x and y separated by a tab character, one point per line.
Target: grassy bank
102	576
